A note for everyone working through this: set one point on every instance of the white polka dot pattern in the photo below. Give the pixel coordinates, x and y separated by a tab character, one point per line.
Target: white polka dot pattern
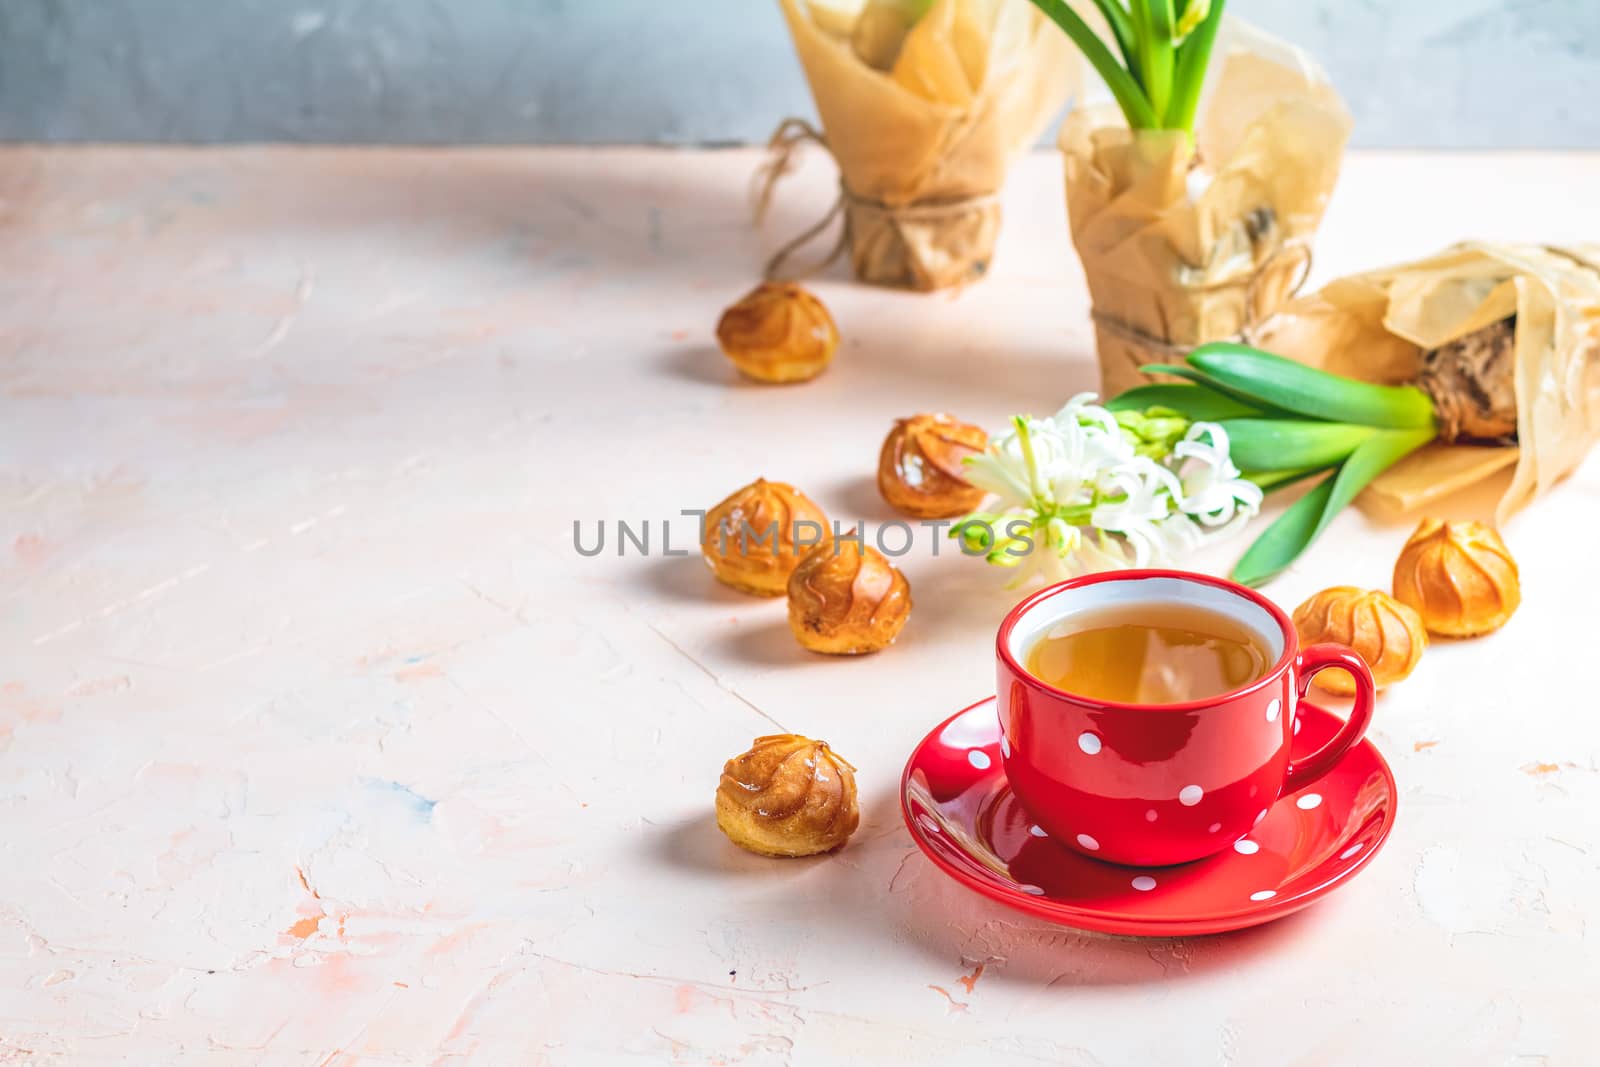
1144	883
1273	708
1088	842
1307	801
1090	743
979	759
1265	894
1246	847
1190	795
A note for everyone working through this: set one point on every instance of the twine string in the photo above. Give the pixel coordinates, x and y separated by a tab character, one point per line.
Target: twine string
1252	323
791	135
787	140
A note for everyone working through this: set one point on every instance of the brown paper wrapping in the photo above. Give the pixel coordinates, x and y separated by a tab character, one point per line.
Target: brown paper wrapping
923	148
1377	325
1181	247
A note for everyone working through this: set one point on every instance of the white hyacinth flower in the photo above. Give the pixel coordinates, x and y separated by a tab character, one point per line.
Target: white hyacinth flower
1212	491
1072	494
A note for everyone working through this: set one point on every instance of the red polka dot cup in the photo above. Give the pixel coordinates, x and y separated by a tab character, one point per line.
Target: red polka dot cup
1156	784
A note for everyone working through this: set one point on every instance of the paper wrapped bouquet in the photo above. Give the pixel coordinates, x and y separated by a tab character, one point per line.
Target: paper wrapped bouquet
1504	338
1188	241
924	106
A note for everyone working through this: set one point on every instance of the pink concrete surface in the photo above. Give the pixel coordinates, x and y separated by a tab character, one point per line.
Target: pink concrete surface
320	743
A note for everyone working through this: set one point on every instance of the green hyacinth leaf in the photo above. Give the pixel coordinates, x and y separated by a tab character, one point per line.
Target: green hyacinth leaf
1295	530
1289	444
1195	402
1307	391
1271	480
1200	378
1288	536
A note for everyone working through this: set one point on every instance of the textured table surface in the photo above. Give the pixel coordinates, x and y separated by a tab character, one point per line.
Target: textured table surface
321	744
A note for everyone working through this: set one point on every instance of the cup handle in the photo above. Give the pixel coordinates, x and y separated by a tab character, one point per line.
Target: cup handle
1303	772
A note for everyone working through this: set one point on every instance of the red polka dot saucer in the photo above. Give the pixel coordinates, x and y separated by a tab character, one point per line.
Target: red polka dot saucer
962	814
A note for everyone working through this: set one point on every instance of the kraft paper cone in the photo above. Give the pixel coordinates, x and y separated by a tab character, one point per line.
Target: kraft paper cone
1377	326
1187	243
923	147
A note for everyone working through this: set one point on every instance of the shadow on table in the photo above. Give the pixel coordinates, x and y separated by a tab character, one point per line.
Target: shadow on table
960	600
950	923
703	364
881	889
855	497
903	369
695	845
686	578
766	642
760	637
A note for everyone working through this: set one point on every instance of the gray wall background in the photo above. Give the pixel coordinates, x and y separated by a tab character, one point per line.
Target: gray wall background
1417	73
